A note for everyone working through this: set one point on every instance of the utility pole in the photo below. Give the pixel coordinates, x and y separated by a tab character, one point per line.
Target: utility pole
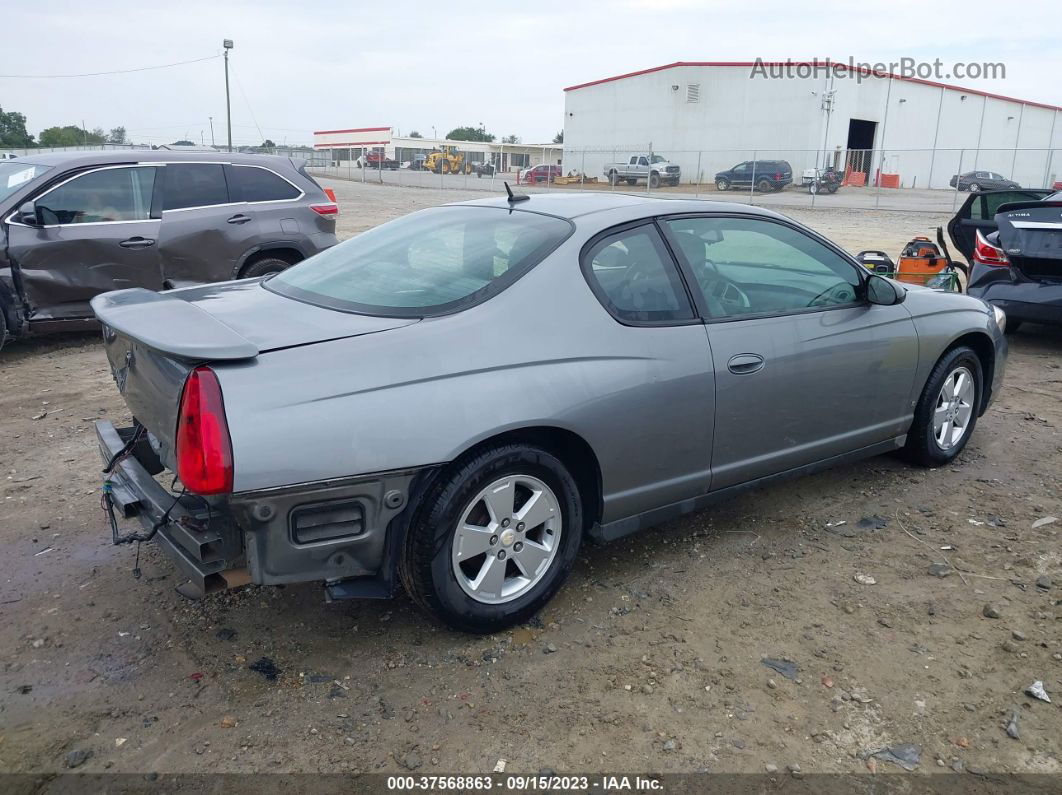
227	44
212	131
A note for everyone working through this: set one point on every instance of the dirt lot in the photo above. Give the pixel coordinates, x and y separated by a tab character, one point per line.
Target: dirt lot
650	659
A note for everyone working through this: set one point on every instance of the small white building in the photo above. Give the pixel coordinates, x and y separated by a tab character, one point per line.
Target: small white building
710	116
349	145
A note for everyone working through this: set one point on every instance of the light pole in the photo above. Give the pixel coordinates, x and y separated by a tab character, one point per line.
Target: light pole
227	44
212	131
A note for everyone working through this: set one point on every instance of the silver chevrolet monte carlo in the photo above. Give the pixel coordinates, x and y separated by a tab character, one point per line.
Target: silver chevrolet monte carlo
456	399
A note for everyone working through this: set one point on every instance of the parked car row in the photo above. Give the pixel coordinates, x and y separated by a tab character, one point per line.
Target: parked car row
74	226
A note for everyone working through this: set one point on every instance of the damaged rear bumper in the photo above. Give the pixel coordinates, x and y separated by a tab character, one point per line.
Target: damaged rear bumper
204	545
344	533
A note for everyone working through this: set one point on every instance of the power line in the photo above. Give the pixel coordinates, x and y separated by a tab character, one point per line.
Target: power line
115	72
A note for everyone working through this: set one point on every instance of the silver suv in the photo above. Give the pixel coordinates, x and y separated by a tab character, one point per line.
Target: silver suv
75	226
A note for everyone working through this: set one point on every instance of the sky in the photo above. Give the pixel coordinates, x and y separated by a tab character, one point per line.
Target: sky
313	65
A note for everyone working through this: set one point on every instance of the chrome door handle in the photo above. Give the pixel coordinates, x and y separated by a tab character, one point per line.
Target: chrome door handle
745	363
137	242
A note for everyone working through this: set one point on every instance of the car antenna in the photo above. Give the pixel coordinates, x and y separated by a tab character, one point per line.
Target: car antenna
515	197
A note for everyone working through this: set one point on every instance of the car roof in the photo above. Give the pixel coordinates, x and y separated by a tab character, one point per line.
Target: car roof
110	157
573	205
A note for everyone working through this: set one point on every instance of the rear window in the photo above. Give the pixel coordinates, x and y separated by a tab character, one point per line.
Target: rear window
194	185
254	184
432	262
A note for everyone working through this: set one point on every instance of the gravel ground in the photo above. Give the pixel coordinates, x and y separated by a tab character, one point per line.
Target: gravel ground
650	659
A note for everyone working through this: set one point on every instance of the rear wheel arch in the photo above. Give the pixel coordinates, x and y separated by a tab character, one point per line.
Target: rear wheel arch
572	450
287	253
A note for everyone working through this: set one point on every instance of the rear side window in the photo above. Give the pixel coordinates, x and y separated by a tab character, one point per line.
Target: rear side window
194	185
635	278
432	262
254	184
107	195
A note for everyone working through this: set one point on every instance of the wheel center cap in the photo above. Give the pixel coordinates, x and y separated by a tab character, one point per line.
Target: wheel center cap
508	536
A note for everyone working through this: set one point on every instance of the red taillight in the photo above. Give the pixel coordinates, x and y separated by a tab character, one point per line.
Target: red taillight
778	175
204	451
330	210
987	254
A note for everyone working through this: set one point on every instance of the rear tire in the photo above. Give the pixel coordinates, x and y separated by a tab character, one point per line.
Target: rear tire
613	178
445	556
265	266
946	414
974	187
763	186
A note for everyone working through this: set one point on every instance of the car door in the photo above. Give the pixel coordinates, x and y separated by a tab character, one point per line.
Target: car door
204	231
978	212
97	231
272	201
741	175
655	428
806	369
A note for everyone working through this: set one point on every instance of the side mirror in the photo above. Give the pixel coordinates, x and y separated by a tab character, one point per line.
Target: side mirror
884	292
27	214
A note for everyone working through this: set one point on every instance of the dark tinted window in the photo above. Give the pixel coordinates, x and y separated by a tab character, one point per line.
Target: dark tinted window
253	184
634	276
430	262
111	194
194	185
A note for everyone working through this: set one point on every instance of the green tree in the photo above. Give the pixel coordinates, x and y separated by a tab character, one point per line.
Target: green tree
469	134
117	136
415	134
183	142
70	135
13	130
559	137
268	144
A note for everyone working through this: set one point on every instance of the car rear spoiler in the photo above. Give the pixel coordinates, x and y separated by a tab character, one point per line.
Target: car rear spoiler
170	325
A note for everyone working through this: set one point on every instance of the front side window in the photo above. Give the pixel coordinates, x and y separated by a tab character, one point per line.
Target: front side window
194	185
634	276
746	266
253	184
107	195
431	262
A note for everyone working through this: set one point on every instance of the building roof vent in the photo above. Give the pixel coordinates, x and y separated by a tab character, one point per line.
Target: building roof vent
693	92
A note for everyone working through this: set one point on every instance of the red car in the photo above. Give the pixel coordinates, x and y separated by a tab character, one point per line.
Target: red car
540	173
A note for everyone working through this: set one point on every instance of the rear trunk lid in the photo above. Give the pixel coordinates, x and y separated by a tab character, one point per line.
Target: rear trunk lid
1031	235
153	340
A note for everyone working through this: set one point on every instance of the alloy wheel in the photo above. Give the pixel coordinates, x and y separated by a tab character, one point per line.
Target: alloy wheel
954	409
506	539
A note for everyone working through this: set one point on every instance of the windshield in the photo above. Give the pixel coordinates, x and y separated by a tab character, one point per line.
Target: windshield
431	262
16	173
659	159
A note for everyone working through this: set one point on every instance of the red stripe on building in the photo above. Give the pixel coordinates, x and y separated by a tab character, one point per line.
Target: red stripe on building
355	129
831	65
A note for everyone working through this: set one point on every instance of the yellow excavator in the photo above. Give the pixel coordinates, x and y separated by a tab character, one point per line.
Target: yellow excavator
447	160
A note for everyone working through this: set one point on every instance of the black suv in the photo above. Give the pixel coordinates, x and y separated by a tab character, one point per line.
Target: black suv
766	175
76	225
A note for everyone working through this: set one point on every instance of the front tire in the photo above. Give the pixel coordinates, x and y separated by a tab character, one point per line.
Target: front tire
946	414
493	539
722	184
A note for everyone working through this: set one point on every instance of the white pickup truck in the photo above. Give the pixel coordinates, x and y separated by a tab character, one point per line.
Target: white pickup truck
637	167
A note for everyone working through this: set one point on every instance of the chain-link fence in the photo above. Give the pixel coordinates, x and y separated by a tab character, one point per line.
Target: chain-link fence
925	180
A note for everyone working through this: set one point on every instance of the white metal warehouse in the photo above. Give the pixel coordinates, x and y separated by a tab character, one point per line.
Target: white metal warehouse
709	116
